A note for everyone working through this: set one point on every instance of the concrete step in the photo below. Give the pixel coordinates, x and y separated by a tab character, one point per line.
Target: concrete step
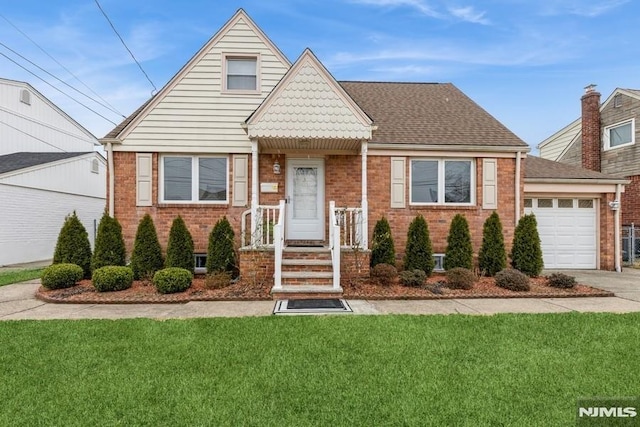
306	291
309	262
307	275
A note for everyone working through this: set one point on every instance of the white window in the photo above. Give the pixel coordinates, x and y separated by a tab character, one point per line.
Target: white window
241	74
620	134
439	181
194	179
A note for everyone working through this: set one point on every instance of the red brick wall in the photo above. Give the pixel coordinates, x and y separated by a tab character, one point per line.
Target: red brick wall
631	202
439	218
200	219
591	131
607	242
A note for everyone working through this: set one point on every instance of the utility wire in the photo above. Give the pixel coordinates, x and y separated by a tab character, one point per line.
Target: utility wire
125	45
60	80
32	136
48	126
65	68
65	94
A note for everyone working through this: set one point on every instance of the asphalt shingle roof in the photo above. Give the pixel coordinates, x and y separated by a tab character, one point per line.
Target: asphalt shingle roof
15	161
539	168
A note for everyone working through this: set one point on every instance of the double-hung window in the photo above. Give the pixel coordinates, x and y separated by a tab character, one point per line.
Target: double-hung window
619	135
442	182
194	179
241	74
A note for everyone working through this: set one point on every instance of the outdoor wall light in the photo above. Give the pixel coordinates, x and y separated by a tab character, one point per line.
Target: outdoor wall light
276	167
615	205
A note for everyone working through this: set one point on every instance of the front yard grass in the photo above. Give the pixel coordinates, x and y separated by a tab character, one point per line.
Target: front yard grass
16	276
326	370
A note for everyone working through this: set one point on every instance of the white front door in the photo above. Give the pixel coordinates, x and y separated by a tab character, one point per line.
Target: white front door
305	199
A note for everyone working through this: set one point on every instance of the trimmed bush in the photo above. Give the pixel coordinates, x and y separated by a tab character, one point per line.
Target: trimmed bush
512	279
382	248
172	280
383	274
460	278
526	253
418	253
109	248
59	276
180	247
73	245
112	278
221	254
146	257
561	280
218	280
493	255
413	278
459	251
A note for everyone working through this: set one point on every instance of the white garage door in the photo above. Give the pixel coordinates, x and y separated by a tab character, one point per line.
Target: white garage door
567	229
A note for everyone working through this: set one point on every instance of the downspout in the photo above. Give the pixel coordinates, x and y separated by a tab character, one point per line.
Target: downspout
365	203
112	182
517	192
616	232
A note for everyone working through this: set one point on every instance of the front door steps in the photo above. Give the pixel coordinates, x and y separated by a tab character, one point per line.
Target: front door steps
307	272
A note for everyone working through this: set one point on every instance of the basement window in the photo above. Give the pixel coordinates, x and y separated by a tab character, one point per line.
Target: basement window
439	262
200	263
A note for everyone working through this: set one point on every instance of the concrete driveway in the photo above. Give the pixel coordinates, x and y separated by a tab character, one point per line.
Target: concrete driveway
17	302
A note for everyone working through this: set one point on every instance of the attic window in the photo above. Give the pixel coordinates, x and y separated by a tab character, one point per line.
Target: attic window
617	101
25	96
241	74
95	166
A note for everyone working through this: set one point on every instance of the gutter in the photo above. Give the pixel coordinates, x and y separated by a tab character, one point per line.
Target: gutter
617	181
449	147
111	178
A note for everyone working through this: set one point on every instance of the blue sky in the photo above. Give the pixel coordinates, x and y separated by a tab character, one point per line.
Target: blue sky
526	62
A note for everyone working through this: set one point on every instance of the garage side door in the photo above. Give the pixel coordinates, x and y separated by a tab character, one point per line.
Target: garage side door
567	229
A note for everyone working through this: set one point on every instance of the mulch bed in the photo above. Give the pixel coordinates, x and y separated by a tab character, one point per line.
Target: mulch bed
144	292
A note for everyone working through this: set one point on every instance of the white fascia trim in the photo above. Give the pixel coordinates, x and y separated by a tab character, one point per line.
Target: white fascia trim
451	148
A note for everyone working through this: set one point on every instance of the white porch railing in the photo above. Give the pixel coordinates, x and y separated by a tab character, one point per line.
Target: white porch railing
334	243
351	227
278	238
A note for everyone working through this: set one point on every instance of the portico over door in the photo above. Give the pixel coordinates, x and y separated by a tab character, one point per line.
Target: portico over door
305	199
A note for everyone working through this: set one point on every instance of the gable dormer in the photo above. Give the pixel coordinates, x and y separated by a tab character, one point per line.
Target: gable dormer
202	108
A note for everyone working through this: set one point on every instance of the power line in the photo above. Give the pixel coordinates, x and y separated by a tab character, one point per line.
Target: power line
60	80
65	94
57	62
125	45
48	126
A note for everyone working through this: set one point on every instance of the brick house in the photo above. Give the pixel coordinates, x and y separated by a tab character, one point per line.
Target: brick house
303	165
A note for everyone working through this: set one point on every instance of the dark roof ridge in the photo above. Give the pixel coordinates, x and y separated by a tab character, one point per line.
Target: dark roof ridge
395	83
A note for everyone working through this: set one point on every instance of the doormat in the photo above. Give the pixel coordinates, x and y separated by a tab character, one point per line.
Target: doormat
311	306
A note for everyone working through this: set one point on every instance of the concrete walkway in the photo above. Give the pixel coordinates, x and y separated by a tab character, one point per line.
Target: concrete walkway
17	302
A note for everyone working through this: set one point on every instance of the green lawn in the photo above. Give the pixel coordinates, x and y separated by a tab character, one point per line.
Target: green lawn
15	276
332	370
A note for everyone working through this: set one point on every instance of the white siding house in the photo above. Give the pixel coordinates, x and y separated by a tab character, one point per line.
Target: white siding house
48	169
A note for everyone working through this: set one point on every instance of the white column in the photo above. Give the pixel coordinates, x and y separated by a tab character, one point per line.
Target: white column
255	201
365	202
616	230
517	191
112	181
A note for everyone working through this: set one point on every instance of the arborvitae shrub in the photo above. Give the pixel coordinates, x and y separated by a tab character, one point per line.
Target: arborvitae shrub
460	278
382	248
526	253
180	246
221	255
413	278
109	248
493	255
419	253
112	278
459	251
561	280
146	257
172	279
73	245
512	279
383	274
59	276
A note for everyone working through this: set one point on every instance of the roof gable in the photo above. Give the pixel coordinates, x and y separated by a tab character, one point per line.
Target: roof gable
239	19
309	103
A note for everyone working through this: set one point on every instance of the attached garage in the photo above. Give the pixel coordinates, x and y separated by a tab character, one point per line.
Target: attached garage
568	229
577	214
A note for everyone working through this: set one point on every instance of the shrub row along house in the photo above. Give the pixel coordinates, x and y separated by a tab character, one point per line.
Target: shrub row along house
303	165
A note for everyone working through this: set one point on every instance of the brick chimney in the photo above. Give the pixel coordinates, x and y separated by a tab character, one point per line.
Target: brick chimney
591	143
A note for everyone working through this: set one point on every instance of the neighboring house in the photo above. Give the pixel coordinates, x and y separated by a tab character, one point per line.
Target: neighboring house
604	139
48	169
296	160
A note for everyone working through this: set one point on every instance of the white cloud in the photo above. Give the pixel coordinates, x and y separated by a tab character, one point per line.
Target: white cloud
419	5
586	8
469	14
